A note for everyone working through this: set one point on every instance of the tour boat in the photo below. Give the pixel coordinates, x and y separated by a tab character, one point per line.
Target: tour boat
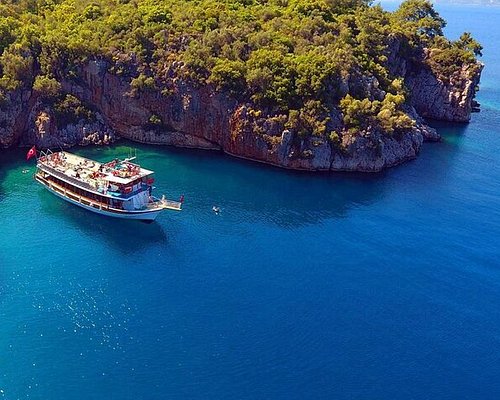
119	188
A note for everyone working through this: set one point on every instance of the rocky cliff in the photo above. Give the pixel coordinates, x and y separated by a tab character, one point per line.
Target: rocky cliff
299	84
450	99
188	115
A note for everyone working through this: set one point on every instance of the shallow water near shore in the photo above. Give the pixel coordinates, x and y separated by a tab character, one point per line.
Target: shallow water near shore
305	286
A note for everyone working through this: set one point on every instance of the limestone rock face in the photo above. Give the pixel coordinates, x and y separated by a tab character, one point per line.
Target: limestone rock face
200	117
43	125
189	117
450	100
372	152
42	130
13	111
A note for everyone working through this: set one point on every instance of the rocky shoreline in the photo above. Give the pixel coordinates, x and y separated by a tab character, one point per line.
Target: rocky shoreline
200	117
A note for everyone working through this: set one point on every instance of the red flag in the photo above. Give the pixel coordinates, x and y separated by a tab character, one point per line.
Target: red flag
31	153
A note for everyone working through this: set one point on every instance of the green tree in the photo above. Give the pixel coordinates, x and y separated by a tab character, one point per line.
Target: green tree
419	17
229	75
467	43
47	87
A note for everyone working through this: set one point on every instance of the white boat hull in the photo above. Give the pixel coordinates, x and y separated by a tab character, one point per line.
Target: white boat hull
143	215
119	188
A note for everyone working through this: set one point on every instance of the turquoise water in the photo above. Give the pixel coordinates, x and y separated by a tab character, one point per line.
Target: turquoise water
305	286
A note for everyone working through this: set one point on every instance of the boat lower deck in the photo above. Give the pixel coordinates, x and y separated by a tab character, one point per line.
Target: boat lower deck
95	205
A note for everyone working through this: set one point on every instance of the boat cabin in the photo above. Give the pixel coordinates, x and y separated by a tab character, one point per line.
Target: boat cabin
119	184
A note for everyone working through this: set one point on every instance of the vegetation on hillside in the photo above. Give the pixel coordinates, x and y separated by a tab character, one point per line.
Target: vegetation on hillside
295	57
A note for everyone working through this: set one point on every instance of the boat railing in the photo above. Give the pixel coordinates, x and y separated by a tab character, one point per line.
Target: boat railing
164	203
172	205
67	178
82	199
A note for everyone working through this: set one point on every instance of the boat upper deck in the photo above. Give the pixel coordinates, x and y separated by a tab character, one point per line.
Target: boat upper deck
93	174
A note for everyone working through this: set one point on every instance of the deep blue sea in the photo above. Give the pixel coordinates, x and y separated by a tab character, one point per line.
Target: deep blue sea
305	286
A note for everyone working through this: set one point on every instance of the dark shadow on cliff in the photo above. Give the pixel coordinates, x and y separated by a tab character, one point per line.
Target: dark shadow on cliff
126	236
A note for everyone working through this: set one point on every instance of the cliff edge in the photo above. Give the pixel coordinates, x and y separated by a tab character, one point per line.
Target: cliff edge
287	107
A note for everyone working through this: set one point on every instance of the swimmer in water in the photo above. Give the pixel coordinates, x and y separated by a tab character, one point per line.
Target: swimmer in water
25	171
216	210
